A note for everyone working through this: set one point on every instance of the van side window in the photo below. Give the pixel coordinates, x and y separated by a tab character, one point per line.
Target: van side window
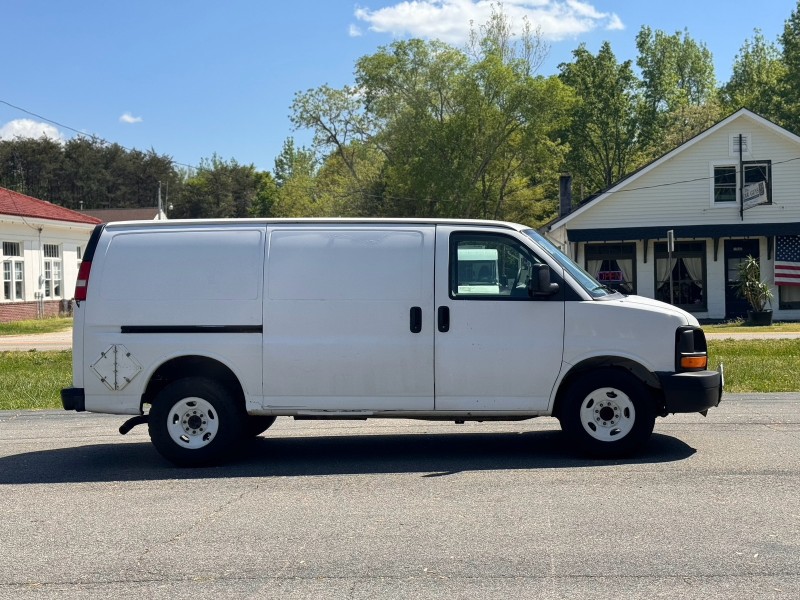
489	266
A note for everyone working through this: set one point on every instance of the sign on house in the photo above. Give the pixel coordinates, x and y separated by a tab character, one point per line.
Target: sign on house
754	194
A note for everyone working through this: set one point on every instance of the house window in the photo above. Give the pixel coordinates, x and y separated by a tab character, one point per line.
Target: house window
757	173
613	265
789	297
52	271
13	272
11	249
13	280
687	272
724	183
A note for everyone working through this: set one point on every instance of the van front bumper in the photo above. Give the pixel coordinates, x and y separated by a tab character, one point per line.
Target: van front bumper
694	391
73	399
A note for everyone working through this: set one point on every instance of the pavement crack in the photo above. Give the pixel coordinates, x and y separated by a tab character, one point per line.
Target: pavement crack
202	518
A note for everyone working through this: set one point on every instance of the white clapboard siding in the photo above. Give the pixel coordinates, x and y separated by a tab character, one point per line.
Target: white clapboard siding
679	190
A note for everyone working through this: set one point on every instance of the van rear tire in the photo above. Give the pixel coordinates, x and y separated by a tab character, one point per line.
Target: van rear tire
607	413
195	421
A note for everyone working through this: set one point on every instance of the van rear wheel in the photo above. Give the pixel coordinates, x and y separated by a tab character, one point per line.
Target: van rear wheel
195	421
607	412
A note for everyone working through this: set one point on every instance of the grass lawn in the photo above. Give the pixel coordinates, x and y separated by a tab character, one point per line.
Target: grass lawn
33	380
743	327
757	365
36	326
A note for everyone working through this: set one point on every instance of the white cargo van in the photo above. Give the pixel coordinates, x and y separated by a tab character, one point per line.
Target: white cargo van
208	330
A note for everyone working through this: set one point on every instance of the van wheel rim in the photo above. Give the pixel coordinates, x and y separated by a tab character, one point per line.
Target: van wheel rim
192	423
607	414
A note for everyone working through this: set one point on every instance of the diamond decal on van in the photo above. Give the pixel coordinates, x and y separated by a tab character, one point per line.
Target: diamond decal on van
116	367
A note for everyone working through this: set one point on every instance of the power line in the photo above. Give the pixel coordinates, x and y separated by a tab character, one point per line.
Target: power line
83	133
194	167
671	183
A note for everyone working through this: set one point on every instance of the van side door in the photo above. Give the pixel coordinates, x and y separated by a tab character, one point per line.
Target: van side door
497	348
348	317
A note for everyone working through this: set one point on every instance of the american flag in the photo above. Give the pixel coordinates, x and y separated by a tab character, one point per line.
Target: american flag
787	260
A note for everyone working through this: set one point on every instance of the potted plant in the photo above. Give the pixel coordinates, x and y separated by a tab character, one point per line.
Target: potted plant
757	292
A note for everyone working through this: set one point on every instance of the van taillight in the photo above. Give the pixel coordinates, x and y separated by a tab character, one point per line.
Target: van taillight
82	285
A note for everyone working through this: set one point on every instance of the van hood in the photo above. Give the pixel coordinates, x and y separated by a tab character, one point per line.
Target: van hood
656	306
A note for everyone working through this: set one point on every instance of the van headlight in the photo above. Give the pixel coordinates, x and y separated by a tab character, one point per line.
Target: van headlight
691	351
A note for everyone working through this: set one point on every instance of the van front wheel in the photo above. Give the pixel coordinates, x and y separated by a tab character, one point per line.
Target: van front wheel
195	421
257	424
607	412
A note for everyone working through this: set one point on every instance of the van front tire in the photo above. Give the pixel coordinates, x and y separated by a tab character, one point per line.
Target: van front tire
607	413
195	421
257	424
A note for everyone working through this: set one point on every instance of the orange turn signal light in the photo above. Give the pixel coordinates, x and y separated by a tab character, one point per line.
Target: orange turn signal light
694	362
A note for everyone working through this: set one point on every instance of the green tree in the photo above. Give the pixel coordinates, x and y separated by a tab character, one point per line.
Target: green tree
337	193
433	130
755	82
789	109
677	77
85	173
266	194
683	123
293	161
337	118
32	167
295	179
219	189
605	128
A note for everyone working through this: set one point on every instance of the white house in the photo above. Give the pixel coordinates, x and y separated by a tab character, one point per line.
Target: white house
42	246
729	192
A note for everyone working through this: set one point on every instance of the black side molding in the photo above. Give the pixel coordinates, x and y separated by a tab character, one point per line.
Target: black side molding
192	329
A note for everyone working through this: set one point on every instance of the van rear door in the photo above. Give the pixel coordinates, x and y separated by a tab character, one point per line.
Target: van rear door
348	317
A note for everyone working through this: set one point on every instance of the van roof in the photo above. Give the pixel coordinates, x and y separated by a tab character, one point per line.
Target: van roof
319	221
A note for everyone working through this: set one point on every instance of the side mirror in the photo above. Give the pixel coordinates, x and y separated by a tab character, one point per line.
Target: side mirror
540	284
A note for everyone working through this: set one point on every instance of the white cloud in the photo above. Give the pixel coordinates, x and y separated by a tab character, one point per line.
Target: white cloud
28	128
355	31
450	20
615	24
129	118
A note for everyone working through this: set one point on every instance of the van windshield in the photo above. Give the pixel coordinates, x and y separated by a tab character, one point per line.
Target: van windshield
586	281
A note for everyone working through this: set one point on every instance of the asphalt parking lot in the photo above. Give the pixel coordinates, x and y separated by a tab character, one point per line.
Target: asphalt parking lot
405	509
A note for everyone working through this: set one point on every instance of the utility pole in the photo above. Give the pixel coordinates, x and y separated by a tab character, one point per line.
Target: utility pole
160	210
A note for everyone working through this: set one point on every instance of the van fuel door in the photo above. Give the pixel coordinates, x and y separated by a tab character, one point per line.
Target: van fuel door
116	367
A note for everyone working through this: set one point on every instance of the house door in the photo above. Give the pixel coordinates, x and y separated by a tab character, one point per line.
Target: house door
735	253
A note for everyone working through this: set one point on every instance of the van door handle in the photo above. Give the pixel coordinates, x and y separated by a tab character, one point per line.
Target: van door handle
416	319
444	318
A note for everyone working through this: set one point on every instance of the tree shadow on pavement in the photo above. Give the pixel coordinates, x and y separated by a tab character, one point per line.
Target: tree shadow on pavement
430	455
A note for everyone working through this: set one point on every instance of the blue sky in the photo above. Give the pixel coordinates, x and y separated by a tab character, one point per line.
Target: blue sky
194	78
